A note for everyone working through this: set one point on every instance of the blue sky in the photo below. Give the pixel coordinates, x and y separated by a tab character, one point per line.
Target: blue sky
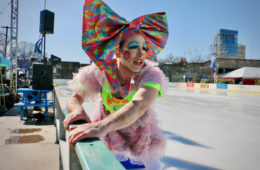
192	23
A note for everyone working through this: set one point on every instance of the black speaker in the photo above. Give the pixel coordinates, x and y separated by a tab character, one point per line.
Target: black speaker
42	77
46	22
54	60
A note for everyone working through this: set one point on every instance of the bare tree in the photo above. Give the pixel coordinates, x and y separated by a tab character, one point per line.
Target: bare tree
25	52
171	59
25	49
162	60
3	43
196	56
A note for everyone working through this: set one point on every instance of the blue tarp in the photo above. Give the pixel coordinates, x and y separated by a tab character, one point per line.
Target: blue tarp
5	62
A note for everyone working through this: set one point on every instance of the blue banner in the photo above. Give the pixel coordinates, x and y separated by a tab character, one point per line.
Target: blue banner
222	86
213	62
5	62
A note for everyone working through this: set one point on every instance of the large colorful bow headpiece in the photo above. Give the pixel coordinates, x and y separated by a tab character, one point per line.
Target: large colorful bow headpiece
103	30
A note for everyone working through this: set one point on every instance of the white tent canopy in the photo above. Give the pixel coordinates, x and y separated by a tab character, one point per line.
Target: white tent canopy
244	72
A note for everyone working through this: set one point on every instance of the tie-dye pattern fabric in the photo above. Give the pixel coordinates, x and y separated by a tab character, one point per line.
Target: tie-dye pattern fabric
112	77
103	30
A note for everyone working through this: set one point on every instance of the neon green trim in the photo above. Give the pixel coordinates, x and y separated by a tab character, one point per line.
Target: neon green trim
156	86
106	95
83	87
130	97
106	88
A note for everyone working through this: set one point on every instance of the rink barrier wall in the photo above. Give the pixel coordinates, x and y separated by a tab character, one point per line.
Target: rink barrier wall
218	87
88	154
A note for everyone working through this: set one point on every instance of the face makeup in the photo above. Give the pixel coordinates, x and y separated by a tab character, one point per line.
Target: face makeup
133	53
127	55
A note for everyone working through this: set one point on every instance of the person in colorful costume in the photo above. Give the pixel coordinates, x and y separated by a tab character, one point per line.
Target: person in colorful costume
123	81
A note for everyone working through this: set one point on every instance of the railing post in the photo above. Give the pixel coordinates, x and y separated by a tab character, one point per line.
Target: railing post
84	155
59	116
60	134
74	160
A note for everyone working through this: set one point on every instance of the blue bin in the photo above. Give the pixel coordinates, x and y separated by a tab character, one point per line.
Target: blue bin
127	164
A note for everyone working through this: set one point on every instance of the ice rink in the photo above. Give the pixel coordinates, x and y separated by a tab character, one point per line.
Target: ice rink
208	129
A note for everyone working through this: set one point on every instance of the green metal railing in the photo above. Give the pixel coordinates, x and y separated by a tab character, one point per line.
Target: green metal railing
89	154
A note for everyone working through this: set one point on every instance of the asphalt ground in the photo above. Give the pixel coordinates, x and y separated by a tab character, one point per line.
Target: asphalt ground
28	143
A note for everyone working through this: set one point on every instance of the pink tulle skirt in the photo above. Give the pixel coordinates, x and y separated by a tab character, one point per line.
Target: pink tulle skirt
143	140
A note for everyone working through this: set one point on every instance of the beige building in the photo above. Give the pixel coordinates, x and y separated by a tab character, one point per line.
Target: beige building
199	71
241	51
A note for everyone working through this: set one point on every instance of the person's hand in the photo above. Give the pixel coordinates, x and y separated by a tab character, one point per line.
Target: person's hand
75	116
88	130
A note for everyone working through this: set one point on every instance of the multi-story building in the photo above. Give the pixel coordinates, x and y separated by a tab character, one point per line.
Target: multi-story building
241	51
226	44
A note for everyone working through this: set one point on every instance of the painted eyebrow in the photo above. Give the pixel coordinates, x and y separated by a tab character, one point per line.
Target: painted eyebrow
133	44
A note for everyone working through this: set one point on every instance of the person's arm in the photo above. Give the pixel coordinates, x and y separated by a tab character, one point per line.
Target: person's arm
122	118
128	114
74	102
76	111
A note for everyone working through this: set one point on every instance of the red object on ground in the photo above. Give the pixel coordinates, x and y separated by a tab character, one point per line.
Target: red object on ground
248	82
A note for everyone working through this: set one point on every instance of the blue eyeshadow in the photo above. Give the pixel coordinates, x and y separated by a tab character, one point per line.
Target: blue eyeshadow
133	44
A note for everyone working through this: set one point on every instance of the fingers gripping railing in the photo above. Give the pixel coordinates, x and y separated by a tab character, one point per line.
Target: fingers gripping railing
89	154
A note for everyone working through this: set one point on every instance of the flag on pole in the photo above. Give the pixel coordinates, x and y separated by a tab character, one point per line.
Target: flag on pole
213	62
38	46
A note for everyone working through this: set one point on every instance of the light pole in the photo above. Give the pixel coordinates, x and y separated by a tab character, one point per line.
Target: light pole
6	35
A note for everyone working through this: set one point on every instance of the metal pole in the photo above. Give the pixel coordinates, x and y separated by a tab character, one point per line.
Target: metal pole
6	34
44	57
215	75
217	66
44	4
11	45
41	49
14	38
16	49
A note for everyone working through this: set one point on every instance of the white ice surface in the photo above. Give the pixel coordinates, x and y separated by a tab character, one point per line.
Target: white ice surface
207	129
210	129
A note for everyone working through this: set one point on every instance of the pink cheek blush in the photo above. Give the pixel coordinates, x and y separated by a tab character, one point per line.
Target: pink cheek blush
127	55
